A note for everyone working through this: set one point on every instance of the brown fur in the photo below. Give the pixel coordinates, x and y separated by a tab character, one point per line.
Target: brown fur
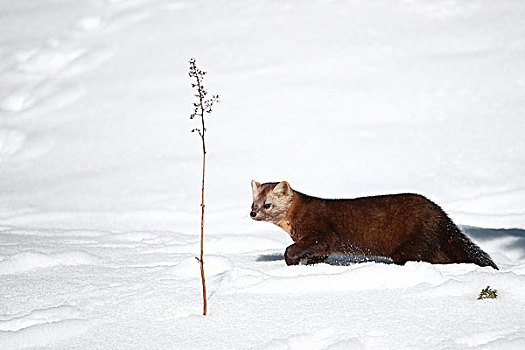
402	227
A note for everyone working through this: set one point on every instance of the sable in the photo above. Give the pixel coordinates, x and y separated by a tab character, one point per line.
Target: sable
402	227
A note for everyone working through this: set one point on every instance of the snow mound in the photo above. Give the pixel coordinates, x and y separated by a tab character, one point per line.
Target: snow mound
11	141
30	260
188	268
228	244
39	316
297	279
41	327
322	339
493	340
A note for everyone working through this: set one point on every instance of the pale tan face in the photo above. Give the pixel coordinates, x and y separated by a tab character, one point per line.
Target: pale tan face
271	201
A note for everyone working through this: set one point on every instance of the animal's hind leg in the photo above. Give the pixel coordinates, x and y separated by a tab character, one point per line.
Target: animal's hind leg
399	258
424	250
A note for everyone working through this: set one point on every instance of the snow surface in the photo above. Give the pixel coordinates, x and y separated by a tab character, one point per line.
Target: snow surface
100	174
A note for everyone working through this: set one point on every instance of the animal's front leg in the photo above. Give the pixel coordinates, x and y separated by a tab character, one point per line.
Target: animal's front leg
313	253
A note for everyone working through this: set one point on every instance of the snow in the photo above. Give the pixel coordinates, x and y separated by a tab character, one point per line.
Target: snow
28	260
100	174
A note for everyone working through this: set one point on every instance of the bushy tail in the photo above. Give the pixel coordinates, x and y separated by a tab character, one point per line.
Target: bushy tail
464	250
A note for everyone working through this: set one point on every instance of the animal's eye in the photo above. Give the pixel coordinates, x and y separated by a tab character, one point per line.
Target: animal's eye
267	206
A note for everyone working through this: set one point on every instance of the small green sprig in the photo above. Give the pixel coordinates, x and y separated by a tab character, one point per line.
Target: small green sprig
488	293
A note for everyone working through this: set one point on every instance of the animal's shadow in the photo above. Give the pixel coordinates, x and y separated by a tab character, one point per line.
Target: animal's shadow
477	233
517	243
333	259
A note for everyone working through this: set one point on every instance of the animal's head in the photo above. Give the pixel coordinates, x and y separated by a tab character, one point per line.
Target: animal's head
271	201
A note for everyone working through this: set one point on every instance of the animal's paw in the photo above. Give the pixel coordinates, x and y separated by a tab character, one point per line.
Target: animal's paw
293	255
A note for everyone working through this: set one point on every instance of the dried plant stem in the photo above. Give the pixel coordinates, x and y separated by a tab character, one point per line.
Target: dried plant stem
200	107
202	135
201	261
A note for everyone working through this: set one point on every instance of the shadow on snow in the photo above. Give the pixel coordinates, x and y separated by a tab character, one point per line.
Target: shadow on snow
488	234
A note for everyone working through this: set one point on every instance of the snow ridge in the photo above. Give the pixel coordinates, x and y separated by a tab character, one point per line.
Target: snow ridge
30	260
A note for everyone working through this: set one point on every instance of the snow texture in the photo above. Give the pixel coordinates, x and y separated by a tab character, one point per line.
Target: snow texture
100	174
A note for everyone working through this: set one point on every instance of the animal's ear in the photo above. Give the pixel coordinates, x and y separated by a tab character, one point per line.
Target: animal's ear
282	189
256	189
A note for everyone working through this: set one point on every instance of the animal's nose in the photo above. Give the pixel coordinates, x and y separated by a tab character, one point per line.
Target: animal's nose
253	214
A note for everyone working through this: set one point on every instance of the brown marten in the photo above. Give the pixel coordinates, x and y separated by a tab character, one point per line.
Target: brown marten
401	227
